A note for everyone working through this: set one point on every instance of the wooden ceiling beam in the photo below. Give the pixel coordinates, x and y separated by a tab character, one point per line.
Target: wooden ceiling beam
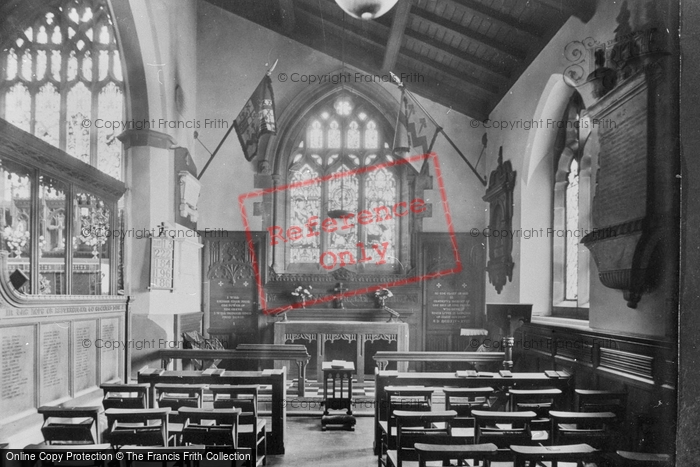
372	40
445	94
357	56
286	8
398	26
460	78
496	17
492	44
582	9
477	86
499	74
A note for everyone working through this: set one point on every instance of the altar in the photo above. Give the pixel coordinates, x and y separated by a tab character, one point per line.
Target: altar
360	332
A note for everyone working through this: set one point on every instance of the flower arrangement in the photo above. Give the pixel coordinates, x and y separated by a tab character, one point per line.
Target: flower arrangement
383	293
16	240
303	293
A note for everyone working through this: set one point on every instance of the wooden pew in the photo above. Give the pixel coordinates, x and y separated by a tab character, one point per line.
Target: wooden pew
258	352
276	378
384	357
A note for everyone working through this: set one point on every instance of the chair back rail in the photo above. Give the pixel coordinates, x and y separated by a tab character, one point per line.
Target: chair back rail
71	425
224	431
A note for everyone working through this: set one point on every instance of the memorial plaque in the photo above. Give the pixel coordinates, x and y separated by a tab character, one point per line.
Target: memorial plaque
232	309
84	355
109	352
621	189
18	389
449	304
54	368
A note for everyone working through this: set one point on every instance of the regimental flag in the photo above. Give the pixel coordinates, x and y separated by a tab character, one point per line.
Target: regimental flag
257	118
420	127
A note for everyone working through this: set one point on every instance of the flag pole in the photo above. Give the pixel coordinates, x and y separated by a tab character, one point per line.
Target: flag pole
449	140
213	154
401	86
228	132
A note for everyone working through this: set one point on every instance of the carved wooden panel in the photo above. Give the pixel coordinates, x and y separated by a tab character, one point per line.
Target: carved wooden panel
452	301
230	286
499	195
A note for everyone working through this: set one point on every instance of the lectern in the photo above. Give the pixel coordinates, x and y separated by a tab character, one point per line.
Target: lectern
507	317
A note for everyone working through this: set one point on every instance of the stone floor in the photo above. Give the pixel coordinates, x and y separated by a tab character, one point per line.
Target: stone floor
307	445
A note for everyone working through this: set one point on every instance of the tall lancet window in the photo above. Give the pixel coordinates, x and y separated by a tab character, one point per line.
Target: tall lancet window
61	80
571	216
342	135
572	225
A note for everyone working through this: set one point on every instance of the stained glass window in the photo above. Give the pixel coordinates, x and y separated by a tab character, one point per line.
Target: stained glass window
15	221
334	135
380	196
341	138
305	203
52	238
316	135
343	195
67	60
371	136
91	245
353	139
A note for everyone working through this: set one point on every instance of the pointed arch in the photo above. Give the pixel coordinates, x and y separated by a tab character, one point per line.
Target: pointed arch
339	129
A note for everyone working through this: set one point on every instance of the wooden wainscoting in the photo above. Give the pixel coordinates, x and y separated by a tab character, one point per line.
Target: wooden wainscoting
644	367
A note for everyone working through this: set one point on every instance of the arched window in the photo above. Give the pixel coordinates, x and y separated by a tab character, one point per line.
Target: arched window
342	140
571	219
572	215
61	80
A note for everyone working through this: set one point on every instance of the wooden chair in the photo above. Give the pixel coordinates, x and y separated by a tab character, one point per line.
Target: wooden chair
460	453
140	427
503	429
210	427
579	453
643	459
464	400
175	396
70	425
593	428
417	399
125	396
419	427
224	392
540	401
594	400
251	430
